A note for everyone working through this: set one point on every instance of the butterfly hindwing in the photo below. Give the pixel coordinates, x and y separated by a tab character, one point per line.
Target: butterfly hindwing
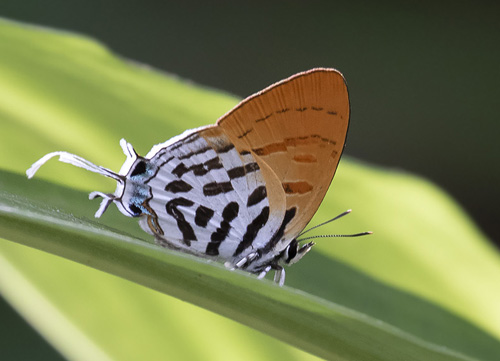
209	199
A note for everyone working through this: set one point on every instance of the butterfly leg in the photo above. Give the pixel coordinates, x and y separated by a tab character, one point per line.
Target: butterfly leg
247	259
264	272
279	276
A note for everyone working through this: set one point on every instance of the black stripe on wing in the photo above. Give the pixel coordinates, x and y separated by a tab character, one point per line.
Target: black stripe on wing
229	213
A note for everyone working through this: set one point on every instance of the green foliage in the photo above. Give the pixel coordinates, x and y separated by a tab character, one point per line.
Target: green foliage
423	287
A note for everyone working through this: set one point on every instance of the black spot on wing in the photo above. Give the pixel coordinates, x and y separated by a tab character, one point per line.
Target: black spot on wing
203	216
178	186
289	215
183	225
215	188
199	169
252	229
225	148
213	163
229	213
180	170
257	196
238	172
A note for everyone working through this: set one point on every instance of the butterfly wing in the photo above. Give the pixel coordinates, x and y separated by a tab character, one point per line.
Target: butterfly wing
256	178
209	199
298	128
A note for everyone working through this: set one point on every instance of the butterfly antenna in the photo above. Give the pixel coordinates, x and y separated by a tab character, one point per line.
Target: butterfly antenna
330	220
335	236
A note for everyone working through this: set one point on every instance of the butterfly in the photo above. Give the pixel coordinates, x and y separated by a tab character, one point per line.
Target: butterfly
242	190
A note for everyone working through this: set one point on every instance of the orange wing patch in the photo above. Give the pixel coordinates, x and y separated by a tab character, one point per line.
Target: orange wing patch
298	127
297	187
305	158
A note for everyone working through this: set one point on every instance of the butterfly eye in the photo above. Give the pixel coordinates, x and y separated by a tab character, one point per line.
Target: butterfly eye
291	251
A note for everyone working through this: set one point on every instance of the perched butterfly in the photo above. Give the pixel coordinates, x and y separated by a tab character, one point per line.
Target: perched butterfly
242	190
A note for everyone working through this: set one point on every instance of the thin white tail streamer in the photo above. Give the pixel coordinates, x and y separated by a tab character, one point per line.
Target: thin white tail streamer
75	160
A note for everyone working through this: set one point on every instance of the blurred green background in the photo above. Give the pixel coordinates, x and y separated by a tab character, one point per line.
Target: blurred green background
423	76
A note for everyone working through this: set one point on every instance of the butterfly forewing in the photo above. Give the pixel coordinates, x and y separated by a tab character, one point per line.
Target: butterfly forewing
298	128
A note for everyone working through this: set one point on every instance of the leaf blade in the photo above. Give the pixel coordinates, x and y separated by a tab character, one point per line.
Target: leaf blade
316	325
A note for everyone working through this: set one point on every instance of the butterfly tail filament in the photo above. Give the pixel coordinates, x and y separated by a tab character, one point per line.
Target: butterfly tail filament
80	162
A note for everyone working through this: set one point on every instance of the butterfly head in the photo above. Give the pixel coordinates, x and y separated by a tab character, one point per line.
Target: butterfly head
294	252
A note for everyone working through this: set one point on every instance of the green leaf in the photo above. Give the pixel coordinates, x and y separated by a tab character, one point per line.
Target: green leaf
316	325
422	287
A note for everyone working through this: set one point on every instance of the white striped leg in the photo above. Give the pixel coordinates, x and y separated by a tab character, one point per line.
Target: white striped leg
279	276
264	272
242	262
248	259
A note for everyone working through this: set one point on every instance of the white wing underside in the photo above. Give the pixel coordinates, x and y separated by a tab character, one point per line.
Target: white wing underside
192	153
